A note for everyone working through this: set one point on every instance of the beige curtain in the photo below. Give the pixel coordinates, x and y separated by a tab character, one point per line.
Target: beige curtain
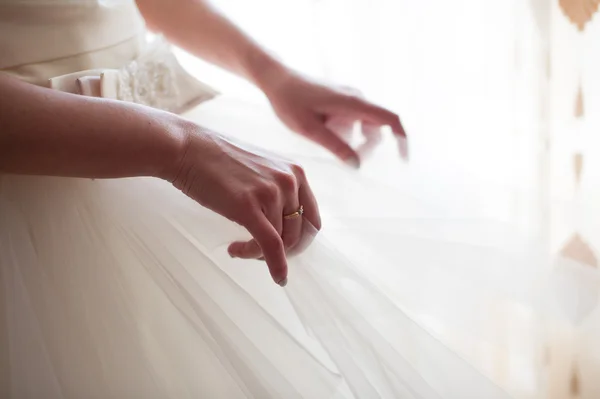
573	143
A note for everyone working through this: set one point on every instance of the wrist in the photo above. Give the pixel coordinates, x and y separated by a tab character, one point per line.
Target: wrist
266	72
176	135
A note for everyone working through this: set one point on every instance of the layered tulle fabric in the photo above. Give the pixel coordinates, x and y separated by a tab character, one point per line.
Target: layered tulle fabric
118	289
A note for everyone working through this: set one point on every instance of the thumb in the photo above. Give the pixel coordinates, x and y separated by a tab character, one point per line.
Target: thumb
245	249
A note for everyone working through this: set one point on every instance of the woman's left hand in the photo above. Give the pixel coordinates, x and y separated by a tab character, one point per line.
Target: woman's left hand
306	107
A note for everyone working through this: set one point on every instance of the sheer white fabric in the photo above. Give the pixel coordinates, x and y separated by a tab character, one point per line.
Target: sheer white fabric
124	288
103	300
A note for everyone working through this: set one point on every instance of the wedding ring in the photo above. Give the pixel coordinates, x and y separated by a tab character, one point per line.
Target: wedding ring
296	214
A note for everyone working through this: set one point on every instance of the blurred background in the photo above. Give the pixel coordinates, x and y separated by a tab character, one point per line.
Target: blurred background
498	98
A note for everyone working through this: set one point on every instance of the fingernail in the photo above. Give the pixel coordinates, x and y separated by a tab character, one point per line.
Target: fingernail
403	147
283	282
353	162
400	133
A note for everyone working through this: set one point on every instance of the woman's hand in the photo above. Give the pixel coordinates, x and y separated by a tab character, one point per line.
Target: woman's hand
303	105
307	107
251	188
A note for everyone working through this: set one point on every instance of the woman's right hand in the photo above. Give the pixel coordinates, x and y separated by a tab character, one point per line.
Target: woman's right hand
252	188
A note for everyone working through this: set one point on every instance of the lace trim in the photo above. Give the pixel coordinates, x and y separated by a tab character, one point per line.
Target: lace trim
155	79
148	83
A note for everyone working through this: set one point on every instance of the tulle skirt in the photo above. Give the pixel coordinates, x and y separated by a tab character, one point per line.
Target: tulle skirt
124	289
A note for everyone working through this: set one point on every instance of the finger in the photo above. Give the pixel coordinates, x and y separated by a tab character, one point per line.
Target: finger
292	223
251	249
245	249
368	112
307	237
275	215
292	227
371	131
311	223
343	127
403	148
320	134
372	134
294	209
311	207
271	246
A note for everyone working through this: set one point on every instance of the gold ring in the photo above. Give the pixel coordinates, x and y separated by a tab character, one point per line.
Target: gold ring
296	214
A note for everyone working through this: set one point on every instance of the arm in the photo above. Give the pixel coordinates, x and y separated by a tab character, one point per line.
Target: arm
47	132
199	28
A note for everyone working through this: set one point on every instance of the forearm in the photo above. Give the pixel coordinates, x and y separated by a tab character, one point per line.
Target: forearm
46	132
201	29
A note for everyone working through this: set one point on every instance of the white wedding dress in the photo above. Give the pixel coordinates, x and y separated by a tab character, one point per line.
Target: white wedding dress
124	289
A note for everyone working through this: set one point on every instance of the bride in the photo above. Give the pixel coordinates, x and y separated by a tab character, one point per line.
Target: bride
113	284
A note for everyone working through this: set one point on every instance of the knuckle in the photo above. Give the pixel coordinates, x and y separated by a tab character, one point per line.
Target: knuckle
298	172
268	191
247	198
287	181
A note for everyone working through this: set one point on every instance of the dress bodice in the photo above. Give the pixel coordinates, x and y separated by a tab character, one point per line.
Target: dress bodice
37	31
94	47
